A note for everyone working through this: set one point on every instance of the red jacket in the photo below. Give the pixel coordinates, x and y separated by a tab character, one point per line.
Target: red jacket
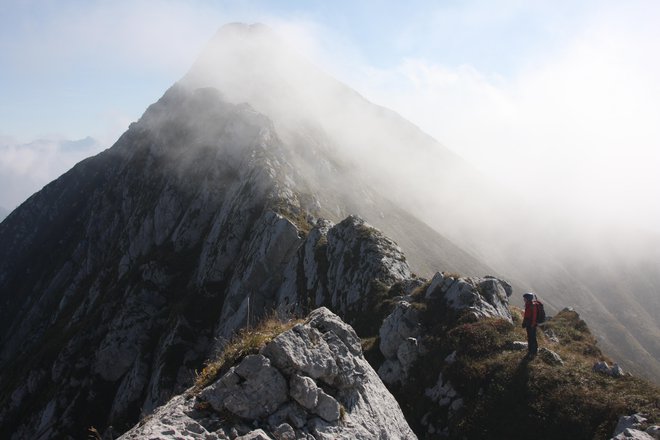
531	310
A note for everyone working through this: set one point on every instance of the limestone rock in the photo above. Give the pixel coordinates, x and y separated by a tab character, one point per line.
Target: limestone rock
303	349
358	254
342	266
401	324
398	342
258	378
284	432
444	394
285	392
483	297
635	421
173	420
327	407
304	391
550	335
550	357
654	431
635	427
632	434
257	434
603	368
617	371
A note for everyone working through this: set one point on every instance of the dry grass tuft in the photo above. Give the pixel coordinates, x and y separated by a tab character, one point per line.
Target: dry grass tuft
247	341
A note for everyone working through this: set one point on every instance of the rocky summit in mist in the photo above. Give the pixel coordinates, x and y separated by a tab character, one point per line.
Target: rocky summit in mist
251	259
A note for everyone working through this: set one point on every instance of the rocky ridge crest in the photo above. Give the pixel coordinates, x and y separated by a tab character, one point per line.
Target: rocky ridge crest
121	278
312	382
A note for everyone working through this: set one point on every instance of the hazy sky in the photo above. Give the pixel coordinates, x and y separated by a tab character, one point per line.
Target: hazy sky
560	99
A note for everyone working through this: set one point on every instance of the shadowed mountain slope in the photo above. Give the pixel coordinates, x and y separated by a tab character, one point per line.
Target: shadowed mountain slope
244	189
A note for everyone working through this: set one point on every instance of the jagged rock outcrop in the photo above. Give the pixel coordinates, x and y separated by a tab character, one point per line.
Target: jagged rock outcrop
342	266
399	342
635	427
444	394
119	278
603	368
156	250
399	335
482	297
312	382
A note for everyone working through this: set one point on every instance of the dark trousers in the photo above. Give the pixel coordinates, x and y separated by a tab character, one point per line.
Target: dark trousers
532	344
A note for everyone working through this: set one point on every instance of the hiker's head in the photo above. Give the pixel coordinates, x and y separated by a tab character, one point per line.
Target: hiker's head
529	296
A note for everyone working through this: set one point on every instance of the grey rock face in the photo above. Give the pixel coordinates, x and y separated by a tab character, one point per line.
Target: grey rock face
635	427
483	297
399	343
635	421
632	434
304	391
550	357
327	408
654	431
285	432
399	334
347	401
257	434
303	349
356	262
444	394
401	324
342	266
603	368
188	228
150	233
237	390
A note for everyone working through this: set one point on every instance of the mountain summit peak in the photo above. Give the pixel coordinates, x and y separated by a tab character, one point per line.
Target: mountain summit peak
247	63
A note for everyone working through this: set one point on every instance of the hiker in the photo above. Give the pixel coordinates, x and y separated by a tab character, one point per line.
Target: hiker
529	323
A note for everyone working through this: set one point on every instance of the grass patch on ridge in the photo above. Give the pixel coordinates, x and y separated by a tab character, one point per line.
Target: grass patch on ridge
247	341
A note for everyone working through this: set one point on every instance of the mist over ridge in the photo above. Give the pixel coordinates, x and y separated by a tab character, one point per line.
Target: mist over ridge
540	245
537	243
264	182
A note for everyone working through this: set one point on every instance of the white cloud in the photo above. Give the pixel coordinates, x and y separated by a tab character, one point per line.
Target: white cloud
576	130
574	123
26	167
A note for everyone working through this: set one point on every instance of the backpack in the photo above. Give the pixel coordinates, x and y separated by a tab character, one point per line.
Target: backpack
540	312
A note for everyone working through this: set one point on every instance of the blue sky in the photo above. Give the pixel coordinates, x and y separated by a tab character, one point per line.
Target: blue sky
559	97
70	67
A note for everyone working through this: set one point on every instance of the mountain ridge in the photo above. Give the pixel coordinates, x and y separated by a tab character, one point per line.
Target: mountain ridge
121	278
159	246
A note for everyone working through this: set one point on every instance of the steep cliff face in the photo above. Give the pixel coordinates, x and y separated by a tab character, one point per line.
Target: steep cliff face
133	252
120	277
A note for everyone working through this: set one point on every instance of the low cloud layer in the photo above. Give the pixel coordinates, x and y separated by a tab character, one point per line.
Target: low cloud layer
26	167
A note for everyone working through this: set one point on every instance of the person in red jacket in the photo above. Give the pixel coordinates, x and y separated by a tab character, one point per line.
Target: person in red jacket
529	323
